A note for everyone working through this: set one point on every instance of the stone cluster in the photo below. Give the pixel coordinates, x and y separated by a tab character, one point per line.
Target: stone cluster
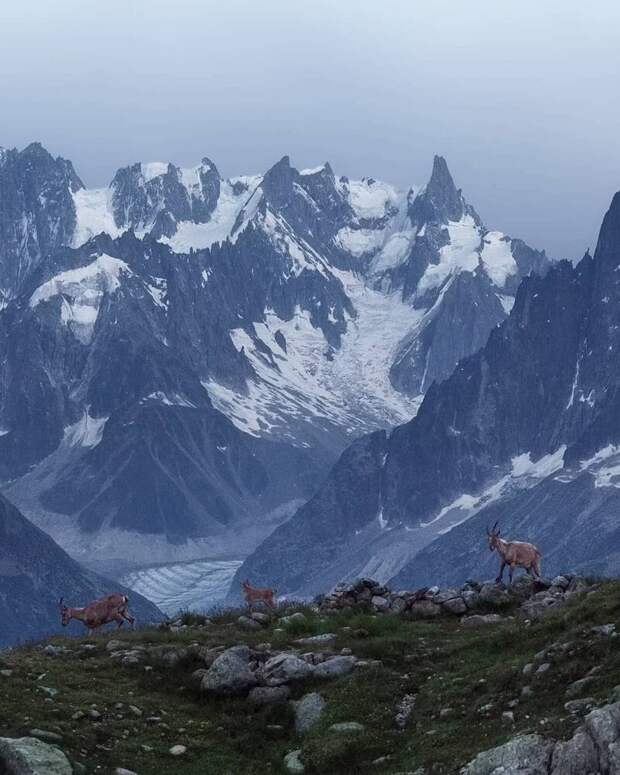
533	598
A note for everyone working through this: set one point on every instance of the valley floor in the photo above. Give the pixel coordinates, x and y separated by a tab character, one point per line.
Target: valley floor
460	685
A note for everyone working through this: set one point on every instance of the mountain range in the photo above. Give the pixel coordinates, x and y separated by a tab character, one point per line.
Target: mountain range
183	358
525	432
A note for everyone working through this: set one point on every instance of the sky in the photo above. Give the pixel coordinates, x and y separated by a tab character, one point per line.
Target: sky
520	96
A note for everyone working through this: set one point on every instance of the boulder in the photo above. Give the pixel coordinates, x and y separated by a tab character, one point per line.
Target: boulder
603	726
455	605
380	603
523	755
284	668
494	595
229	674
576	756
334	666
30	756
308	711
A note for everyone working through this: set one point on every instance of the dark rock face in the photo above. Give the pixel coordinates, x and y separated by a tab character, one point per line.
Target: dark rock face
35	573
154	200
543	385
37	214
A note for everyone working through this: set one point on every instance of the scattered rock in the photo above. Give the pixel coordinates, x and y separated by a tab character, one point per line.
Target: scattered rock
578	686
313	640
298	616
292	762
308	711
580	707
347	727
178	750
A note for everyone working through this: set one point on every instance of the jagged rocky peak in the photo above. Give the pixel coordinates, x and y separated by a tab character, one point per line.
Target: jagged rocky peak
440	201
155	196
37	213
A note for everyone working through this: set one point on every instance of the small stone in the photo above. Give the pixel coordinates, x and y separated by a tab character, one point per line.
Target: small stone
478	620
178	750
347	727
136	711
578	686
528	669
298	616
334	667
260	617
508	717
542	669
292	762
94	714
604	629
79	714
527	691
346	652
123	771
445	712
323	639
580	707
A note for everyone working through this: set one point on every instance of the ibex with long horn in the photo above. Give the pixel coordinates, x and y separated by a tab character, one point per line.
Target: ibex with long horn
514	554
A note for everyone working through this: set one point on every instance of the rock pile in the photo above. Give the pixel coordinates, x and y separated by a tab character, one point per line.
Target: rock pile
532	598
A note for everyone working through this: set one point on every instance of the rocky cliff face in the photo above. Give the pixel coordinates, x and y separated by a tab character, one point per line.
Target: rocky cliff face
183	357
535	409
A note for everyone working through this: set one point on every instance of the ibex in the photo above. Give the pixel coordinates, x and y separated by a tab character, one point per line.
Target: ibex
254	595
111	608
514	553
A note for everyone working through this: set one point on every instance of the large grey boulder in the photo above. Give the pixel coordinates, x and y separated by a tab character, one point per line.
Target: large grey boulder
334	667
523	755
577	756
308	711
284	668
603	726
30	756
229	674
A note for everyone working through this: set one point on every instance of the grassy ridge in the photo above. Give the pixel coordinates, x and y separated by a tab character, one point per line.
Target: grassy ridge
472	674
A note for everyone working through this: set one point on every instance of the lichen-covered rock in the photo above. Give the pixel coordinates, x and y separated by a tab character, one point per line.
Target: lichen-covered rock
523	755
334	667
284	668
229	674
30	756
577	756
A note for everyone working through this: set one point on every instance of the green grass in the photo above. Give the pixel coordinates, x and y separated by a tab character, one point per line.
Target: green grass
444	664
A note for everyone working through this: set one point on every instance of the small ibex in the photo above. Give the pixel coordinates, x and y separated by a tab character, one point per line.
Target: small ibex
111	608
514	553
254	595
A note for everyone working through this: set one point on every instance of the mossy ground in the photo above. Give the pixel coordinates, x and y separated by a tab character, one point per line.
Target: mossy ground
475	672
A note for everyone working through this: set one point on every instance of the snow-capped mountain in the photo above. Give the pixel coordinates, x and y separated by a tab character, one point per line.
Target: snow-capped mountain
183	357
525	431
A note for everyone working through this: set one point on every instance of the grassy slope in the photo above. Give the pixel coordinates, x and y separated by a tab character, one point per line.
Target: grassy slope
443	663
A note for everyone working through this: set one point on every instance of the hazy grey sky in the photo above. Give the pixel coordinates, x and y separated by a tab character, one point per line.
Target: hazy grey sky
521	96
